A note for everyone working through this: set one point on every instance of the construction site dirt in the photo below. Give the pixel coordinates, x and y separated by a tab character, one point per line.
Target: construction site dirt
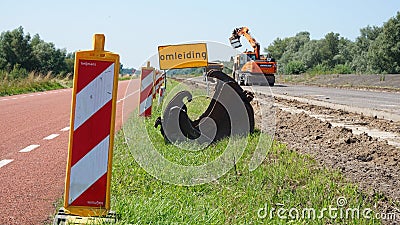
370	163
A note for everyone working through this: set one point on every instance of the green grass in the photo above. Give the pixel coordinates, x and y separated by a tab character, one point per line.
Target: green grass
285	179
125	77
32	83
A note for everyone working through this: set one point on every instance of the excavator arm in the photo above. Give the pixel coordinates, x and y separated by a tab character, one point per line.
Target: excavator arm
244	31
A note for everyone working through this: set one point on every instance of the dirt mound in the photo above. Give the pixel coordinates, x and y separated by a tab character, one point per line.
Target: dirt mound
353	118
368	162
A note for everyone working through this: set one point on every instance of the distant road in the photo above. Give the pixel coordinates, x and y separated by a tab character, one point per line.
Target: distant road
375	100
384	81
33	151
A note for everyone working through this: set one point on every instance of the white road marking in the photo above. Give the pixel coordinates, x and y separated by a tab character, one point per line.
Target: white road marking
389	105
317	95
5	162
36	94
130	94
65	129
51	136
122	99
53	92
29	148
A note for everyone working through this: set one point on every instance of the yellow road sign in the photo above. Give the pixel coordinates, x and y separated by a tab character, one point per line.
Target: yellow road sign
183	56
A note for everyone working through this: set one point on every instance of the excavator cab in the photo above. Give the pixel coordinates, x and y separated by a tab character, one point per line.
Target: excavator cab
251	55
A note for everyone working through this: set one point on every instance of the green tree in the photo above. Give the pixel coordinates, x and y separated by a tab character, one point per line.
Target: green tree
69	62
49	58
311	55
15	49
367	35
20	52
376	50
361	61
277	48
293	49
384	52
346	52
298	41
295	67
330	48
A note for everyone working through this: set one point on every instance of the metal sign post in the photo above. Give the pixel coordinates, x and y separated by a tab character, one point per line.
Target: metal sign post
206	79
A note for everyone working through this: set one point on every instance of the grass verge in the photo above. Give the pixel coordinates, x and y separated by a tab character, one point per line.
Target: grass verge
285	181
32	83
125	77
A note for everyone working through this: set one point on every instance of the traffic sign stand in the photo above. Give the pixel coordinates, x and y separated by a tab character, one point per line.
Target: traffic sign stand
63	218
91	137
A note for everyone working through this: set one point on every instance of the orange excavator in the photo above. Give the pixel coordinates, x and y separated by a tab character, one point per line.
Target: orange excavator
250	67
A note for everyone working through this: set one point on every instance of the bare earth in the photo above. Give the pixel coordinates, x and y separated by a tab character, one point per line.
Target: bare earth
371	164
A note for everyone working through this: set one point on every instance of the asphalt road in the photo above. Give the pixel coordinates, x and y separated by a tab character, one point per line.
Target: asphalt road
33	150
377	100
380	101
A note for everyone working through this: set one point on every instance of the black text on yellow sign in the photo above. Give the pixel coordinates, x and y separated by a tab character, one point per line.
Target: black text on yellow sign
183	56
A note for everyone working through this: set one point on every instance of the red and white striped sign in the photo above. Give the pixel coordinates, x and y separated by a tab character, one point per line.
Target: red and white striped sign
92	118
158	81
146	91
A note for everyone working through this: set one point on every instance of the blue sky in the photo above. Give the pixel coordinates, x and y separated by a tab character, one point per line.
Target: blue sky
134	29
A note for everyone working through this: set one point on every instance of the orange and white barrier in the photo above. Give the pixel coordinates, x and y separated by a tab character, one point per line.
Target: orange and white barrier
87	186
146	91
158	82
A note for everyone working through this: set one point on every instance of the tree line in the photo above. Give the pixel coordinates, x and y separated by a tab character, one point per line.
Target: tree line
20	53
376	50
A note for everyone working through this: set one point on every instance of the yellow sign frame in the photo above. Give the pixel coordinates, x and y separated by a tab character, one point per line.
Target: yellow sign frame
183	56
99	54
